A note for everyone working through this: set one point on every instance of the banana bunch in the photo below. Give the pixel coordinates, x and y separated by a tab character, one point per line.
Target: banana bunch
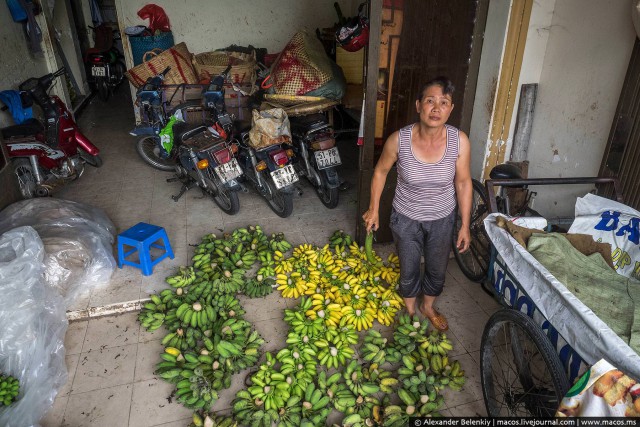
212	420
314	406
255	288
279	243
389	304
333	352
343	399
305	253
331	385
373	347
360	318
154	313
324	308
248	410
289	415
451	375
384	379
229	282
340	238
323	262
297	360
345	334
409	333
177	340
243	260
206	245
184	277
302	325
437	343
270	387
415	379
196	315
356	382
292	286
358	299
9	389
194	391
227	306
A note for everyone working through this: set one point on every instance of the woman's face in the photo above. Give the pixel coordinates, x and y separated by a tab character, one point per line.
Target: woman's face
435	107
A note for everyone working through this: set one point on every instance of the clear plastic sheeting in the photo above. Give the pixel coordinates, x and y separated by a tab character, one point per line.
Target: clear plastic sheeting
78	242
34	323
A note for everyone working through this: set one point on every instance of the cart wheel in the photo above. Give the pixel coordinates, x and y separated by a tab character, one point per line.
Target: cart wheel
520	370
474	263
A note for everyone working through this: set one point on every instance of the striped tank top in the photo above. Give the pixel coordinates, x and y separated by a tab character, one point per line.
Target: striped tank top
425	191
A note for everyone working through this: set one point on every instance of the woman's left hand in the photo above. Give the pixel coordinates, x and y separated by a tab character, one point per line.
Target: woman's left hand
464	239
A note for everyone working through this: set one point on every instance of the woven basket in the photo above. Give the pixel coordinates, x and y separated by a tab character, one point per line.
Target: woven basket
296	105
142	45
178	58
243	68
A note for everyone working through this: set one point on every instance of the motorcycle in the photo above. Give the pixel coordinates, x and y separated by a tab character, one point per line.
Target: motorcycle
269	170
316	155
104	61
206	160
47	155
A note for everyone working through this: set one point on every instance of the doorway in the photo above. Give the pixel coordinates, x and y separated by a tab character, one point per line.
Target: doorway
436	37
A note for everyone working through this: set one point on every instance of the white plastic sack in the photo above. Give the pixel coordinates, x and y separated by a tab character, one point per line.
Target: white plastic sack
34	324
615	223
577	325
78	241
269	127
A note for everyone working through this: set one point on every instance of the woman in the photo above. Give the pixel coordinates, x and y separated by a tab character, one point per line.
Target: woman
433	171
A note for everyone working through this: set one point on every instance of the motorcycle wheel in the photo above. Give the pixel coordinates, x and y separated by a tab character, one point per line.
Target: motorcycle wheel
103	90
149	150
226	200
328	196
95	161
118	71
26	178
279	202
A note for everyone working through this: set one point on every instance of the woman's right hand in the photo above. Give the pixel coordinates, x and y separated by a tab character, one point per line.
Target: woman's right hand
371	220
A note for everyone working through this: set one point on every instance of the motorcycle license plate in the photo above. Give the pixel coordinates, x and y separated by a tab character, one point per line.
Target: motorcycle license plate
285	176
327	158
228	171
98	71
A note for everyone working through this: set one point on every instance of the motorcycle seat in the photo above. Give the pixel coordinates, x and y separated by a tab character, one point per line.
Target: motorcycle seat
505	171
26	128
301	125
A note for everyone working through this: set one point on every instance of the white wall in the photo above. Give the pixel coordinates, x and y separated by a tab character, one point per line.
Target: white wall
587	55
16	63
489	71
68	38
206	25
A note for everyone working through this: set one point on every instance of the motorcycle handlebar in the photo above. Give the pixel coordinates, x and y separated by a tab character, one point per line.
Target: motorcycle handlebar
166	70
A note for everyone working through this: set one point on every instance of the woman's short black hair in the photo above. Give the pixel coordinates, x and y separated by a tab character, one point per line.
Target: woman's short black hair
447	86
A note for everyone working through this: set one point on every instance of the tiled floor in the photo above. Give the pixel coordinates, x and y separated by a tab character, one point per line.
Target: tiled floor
111	359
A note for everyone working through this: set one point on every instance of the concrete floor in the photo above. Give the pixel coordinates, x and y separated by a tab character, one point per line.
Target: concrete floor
111	359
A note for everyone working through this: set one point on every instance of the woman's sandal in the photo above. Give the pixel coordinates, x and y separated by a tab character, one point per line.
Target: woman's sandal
439	322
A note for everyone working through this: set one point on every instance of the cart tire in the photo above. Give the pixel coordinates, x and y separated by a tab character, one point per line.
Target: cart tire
474	263
541	381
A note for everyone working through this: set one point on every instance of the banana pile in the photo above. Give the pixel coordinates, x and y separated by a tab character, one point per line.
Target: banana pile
342	290
344	282
9	389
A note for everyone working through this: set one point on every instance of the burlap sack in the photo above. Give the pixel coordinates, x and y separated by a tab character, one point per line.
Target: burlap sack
269	127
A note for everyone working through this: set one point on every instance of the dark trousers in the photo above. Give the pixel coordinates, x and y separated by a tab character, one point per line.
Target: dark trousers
414	239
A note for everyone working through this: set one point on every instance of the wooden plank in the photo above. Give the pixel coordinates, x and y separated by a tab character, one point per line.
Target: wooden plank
524	122
507	82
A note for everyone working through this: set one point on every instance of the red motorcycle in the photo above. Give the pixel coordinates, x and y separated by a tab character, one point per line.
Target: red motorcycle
47	155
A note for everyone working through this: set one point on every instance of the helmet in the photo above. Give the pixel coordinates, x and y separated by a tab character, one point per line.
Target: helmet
354	35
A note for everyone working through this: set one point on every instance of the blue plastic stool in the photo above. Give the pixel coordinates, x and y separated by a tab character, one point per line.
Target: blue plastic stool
142	237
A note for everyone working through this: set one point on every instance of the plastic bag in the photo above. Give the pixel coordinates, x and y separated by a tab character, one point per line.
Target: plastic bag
611	222
269	127
34	324
158	19
78	241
